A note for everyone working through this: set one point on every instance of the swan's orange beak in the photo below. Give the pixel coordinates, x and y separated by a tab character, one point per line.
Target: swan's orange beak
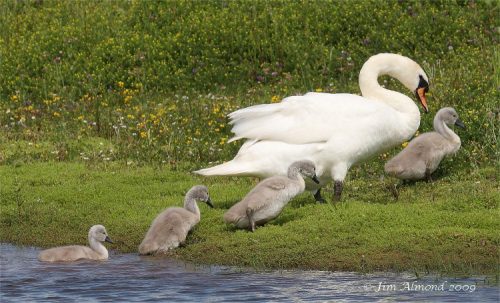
421	97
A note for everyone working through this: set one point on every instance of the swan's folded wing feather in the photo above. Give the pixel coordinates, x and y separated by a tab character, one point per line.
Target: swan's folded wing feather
311	118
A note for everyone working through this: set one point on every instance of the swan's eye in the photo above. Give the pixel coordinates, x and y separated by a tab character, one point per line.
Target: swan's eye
422	83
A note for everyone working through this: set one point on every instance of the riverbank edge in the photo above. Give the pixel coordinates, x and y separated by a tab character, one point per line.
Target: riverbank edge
25	223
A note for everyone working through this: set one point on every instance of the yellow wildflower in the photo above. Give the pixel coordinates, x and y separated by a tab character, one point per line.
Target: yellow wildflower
143	134
405	144
56	114
319	90
275	99
120	84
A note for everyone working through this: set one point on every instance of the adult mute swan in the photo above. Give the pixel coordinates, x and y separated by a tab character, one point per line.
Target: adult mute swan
424	153
334	131
266	200
96	251
170	228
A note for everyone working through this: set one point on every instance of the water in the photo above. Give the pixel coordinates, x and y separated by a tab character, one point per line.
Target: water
131	278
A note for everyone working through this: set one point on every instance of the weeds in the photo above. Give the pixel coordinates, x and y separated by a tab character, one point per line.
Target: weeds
157	79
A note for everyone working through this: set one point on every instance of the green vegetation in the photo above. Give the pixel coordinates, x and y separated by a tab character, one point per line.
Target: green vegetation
448	226
106	106
157	78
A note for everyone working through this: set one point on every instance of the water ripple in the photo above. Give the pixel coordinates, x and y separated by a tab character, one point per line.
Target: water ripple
131	278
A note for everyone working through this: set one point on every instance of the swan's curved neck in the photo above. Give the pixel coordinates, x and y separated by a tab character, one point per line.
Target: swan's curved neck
445	131
191	205
98	247
371	89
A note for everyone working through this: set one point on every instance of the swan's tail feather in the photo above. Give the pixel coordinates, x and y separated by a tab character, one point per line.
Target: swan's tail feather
235	138
252	112
230	168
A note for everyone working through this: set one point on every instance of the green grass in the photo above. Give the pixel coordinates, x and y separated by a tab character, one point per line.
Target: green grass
157	78
449	226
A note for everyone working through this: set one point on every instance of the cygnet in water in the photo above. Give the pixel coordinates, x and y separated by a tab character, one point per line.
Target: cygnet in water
96	251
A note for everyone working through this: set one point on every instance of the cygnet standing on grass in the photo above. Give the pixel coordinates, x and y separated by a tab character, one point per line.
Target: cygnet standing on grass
96	251
266	200
171	227
424	153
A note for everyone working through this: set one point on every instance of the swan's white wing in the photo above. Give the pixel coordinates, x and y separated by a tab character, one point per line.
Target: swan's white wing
314	117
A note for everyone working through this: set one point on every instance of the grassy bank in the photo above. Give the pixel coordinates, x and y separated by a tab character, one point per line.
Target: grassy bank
449	226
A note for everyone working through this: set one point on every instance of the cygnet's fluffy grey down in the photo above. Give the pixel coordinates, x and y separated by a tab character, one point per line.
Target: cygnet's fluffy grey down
424	153
266	200
96	251
170	228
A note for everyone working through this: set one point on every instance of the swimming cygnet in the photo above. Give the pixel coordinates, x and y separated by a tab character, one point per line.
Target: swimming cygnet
266	200
424	153
170	228
96	251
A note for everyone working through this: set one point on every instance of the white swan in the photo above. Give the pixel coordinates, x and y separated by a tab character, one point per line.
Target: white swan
96	251
334	131
170	228
424	153
268	198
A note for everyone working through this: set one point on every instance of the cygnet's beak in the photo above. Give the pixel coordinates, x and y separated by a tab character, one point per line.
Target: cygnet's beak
460	124
108	240
209	203
315	179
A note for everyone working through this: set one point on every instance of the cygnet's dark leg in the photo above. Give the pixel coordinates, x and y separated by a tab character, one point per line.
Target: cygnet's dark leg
318	197
428	176
337	190
393	188
251	222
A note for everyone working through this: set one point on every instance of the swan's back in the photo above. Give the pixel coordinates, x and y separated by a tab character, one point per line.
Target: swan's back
69	253
311	118
168	230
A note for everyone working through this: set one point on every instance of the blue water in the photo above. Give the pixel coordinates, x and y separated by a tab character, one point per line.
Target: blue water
131	278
